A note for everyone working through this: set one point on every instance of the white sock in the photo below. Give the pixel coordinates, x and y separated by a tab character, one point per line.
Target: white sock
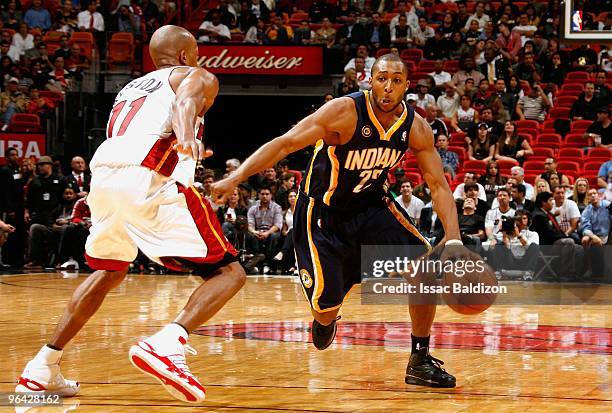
170	334
48	356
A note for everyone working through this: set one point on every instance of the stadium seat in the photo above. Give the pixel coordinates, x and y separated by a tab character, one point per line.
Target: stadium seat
383	51
534	167
458	139
25	122
426	65
576	88
412	54
542	152
410	163
591	167
237	37
527	124
461	153
548	124
85	40
299	16
559	112
566	101
451	66
571	154
418	75
531	133
576	140
414	177
599	153
592	180
580	126
478	167
569	167
549	140
577	77
504	165
120	50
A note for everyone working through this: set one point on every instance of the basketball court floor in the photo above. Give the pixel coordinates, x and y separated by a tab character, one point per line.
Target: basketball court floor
255	355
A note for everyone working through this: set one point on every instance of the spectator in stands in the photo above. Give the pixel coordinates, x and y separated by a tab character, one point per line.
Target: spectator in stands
600	132
256	34
519	198
602	90
495	217
11	102
408	12
567	213
151	15
438	127
66	19
512	146
214	31
550	166
464	120
480	97
519	247
319	11
424	99
492	180
72	240
362	53
468	179
514	87
128	22
39	105
440	77
303	34
10	51
227	214
448	26
554	71
278	33
287	182
401	35
351	34
423	32
525	28
11	16
448	103
326	34
494	127
579	194
348	84
450	160
37	17
411	204
79	180
64	49
59	78
482	148
595	227
362	75
286	255
468	89
430	224
471	225
467	71
603	176
587	104
12	199
231	165
436	48
45	235
457	47
533	105
583	58
527	69
379	35
77	62
518	174
570	255
92	21
22	40
265	222
342	10
508	41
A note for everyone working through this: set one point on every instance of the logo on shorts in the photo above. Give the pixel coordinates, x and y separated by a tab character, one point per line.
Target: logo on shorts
404	136
366	131
306	278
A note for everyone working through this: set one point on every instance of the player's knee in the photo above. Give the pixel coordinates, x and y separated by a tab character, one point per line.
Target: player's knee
239	276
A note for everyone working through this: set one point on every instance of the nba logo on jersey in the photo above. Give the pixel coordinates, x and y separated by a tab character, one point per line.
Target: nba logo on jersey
404	134
366	131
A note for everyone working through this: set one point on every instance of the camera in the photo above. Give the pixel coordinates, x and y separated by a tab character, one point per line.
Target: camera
507	225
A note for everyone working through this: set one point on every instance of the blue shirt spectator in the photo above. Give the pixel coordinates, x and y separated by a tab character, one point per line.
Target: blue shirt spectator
265	214
604	172
595	218
38	17
450	160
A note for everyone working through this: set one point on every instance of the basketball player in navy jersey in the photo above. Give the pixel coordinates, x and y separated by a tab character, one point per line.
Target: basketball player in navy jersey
343	204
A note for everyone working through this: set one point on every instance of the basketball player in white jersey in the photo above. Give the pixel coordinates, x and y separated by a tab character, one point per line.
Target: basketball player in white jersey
141	197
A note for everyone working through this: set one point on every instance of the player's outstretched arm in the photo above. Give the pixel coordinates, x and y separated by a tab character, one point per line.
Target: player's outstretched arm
334	122
422	144
194	96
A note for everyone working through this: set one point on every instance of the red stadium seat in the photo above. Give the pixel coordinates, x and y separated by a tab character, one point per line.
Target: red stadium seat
410	163
478	167
576	88
414	177
559	112
580	126
527	124
577	77
548	124
461	153
451	66
576	140
569	167
458	139
427	65
542	152
504	165
571	154
591	167
599	153
549	140
536	167
25	122
381	52
412	54
566	101
531	133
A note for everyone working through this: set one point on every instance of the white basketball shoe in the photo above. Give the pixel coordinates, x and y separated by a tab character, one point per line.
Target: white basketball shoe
42	374
162	356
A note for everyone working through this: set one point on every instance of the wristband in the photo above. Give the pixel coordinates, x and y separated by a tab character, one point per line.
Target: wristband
453	242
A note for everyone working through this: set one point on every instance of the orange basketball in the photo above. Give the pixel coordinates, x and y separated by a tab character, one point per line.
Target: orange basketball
470	290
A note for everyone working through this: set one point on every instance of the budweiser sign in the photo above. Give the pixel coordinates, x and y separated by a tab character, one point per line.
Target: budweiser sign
263	60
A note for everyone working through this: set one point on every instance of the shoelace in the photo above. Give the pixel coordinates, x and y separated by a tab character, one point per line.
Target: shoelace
436	362
180	361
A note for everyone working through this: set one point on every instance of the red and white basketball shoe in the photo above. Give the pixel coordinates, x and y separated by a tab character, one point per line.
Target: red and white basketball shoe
165	361
42	374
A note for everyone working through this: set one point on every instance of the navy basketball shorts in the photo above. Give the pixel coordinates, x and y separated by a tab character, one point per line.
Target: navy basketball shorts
328	245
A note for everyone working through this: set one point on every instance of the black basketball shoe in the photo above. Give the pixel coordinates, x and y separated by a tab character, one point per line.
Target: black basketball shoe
426	370
323	336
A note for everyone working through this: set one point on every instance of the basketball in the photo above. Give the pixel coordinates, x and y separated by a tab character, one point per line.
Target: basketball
471	288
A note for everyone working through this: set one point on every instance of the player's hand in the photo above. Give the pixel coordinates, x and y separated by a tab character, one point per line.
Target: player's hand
193	148
221	191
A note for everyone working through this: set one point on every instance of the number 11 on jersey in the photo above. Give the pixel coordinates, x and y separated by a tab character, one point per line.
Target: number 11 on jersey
116	112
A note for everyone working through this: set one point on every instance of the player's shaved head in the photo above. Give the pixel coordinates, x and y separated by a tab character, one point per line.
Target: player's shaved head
389	58
171	46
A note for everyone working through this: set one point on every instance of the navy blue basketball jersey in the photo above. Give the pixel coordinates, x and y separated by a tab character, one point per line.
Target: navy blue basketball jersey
353	175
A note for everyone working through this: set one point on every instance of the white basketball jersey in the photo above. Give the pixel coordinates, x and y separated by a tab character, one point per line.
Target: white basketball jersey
139	130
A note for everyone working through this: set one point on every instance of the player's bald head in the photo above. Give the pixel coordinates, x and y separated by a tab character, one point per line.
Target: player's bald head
389	62
168	43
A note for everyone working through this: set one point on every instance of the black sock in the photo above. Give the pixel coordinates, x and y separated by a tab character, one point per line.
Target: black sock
420	344
182	326
52	347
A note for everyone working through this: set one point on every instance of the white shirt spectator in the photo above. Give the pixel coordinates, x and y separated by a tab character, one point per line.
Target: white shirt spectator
84	20
569	210
13	53
525	29
427	100
221	30
413	209
440	78
493	221
482	21
459	193
517	248
411	19
368	63
20	44
448	106
363	79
